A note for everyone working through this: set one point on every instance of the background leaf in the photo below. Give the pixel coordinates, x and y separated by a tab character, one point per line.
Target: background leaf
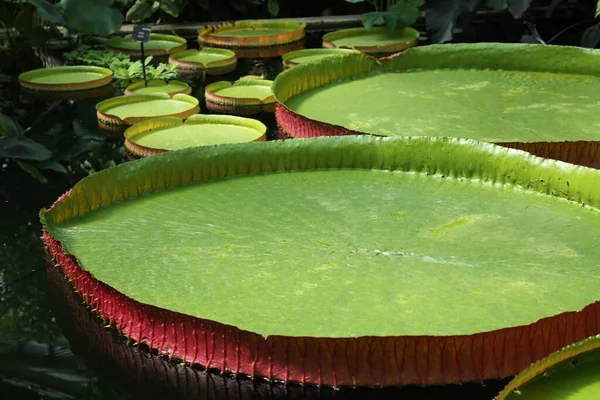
273	6
171	7
517	7
591	37
93	17
141	10
49	12
23	148
371	19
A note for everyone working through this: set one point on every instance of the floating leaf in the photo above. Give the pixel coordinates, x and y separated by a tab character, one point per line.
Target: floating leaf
252	33
376	41
477	231
502	93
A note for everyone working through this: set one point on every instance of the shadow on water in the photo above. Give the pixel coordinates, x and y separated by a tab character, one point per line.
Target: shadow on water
35	358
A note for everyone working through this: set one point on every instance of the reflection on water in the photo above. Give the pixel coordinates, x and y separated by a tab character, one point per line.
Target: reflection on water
35	358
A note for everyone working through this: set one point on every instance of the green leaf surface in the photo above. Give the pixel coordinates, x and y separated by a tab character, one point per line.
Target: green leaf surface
572	373
377	36
369	20
23	148
140	10
198	130
492	92
94	17
352	236
171	7
65	75
49	12
273	6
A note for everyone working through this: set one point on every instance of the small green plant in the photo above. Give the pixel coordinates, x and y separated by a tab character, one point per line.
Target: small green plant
125	70
100	58
393	14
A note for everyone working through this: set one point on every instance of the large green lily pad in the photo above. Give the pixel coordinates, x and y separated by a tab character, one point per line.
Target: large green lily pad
212	60
158	86
445	250
170	133
375	41
66	78
131	109
252	33
502	93
573	373
242	97
158	45
307	55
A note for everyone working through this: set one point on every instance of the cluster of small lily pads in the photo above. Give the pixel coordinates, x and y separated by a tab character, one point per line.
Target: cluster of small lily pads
469	76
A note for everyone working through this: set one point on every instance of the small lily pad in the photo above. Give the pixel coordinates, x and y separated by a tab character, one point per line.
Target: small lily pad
131	109
374	41
158	86
243	97
66	79
170	133
212	60
158	45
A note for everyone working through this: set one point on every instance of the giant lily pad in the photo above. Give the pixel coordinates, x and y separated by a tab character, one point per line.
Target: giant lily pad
131	109
162	134
213	61
307	55
572	373
158	45
66	79
539	98
242	97
158	86
339	261
252	33
375	41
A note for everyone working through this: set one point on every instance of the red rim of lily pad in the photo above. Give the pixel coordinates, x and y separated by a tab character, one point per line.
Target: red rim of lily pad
108	120
224	35
463	56
161	86
42	79
218	102
375	49
102	91
157	124
127	46
352	361
224	64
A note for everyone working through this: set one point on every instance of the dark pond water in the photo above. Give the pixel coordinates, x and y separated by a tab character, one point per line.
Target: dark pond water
50	345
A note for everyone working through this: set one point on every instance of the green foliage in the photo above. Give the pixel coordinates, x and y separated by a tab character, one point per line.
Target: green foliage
144	9
100	58
92	17
125	70
397	16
